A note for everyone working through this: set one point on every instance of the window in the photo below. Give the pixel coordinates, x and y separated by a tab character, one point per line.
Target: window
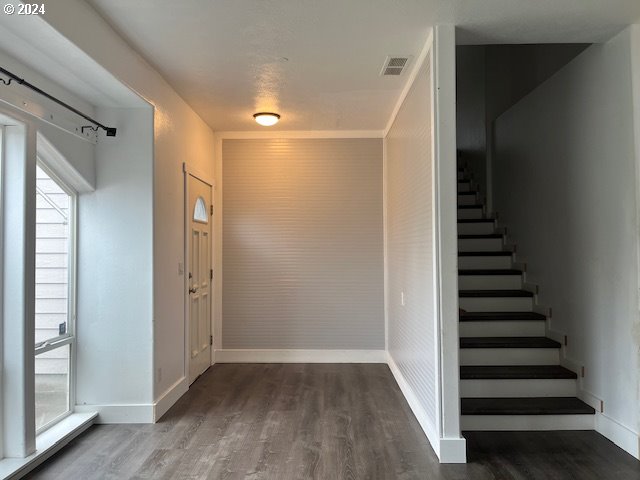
55	296
200	211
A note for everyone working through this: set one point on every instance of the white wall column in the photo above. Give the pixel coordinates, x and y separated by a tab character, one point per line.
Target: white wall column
452	445
18	293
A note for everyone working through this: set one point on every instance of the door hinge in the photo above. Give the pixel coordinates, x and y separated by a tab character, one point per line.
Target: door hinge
210	339
211	274
211	210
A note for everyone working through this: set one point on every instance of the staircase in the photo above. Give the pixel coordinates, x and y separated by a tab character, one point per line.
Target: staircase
510	373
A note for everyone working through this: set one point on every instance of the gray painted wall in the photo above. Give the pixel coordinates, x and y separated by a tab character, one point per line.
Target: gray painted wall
302	244
565	178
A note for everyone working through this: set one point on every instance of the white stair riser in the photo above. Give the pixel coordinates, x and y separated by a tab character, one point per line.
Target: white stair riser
470	213
490	282
509	356
526	422
502	328
480	244
482	262
496	304
480	228
464	187
467	199
517	388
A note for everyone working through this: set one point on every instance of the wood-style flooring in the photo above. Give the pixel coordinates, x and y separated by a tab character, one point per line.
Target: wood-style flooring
320	421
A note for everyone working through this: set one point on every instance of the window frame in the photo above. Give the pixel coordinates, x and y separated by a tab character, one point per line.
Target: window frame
69	338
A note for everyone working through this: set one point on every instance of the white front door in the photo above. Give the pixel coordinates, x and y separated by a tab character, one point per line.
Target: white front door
199	276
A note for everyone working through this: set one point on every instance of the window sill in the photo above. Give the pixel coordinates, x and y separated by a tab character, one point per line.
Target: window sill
47	443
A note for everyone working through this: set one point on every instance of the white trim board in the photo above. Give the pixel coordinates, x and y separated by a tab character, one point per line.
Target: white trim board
613	430
623	437
299	134
131	413
169	398
427	426
448	450
299	356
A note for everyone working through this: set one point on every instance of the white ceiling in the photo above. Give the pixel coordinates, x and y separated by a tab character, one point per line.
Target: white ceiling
317	62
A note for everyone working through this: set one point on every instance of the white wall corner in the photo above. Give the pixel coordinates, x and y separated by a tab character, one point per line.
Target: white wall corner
417	66
385	245
169	398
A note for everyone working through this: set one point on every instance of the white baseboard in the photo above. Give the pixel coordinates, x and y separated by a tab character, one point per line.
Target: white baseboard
133	413
622	436
300	356
448	450
138	413
169	398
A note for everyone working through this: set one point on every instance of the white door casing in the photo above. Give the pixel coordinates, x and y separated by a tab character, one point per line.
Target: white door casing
199	276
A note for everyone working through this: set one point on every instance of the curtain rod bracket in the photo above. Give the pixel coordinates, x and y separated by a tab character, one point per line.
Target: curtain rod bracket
110	131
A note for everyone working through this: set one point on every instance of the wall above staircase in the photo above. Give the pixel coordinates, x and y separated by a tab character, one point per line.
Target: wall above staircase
565	184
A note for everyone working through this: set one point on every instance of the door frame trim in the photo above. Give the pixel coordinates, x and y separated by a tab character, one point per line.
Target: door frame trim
189	170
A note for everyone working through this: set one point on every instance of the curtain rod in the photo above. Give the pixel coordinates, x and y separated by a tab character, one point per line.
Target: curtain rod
110	131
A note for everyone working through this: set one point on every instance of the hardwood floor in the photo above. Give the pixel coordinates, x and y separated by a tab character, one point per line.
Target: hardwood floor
320	421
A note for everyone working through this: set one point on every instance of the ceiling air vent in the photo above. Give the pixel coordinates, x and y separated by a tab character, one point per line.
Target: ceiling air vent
394	65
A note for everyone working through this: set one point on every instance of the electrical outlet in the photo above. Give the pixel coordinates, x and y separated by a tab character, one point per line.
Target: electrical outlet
180	268
402	298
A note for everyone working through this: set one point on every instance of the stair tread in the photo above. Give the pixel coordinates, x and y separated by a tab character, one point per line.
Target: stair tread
494	271
496	253
508	342
526	406
473	192
495	293
480	236
500	316
513	372
464	207
476	220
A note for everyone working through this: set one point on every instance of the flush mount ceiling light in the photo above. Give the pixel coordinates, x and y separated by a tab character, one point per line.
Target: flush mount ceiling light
266	119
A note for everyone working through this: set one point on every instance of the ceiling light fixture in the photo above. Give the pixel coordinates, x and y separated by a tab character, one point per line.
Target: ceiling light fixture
266	119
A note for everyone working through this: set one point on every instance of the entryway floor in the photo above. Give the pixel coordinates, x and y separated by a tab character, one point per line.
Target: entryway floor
320	421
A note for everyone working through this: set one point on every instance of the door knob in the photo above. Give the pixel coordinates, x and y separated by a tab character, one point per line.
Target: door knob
193	290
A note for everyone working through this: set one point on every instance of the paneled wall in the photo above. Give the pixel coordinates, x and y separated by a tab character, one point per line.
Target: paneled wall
303	244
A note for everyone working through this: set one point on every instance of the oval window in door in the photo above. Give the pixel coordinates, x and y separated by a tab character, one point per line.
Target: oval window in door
200	211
